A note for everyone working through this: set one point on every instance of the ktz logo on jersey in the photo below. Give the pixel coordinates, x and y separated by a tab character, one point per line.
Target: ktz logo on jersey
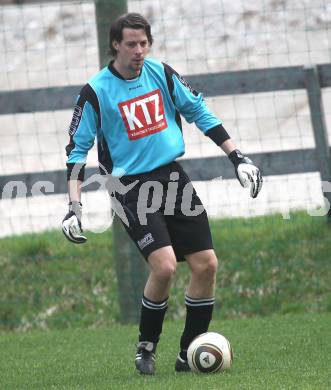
143	115
75	120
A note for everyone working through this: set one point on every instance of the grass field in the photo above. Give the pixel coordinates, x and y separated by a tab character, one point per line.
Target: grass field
273	301
290	351
267	265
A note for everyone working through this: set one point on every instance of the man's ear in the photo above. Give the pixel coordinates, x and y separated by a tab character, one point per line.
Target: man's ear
115	45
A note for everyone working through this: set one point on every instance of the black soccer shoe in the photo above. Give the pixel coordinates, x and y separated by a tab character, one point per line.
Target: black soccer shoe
181	365
145	357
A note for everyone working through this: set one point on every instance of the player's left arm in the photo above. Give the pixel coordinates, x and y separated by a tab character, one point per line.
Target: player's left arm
192	106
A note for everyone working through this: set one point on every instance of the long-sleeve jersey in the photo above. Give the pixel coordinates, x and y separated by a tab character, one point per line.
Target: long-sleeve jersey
136	122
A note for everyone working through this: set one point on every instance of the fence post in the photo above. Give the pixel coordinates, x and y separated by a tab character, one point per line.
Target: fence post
320	131
106	11
131	272
131	269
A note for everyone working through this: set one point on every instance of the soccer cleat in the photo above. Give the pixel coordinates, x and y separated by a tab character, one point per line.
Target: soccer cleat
145	357
181	365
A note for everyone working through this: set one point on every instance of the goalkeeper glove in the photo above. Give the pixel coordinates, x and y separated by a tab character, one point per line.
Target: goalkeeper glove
71	224
247	173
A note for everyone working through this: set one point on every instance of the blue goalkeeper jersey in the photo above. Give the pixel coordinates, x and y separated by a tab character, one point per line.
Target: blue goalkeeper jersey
136	122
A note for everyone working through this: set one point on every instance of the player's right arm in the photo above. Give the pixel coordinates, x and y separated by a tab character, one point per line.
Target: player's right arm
85	121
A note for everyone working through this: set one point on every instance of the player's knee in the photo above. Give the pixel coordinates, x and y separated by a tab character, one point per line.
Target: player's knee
212	265
206	265
163	264
209	267
166	271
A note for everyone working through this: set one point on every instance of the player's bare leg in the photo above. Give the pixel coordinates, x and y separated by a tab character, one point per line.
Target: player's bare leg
203	277
199	300
162	263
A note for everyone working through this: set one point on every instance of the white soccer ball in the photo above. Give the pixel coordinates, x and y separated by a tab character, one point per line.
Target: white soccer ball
209	352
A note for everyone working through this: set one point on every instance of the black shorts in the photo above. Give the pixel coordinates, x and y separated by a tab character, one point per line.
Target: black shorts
161	210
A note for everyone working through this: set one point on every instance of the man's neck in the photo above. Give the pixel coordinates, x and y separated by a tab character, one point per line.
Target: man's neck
127	74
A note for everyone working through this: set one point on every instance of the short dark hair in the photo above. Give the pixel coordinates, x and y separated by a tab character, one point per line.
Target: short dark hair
129	20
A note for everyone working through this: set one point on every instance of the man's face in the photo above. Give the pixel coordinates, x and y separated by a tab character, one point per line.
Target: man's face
131	51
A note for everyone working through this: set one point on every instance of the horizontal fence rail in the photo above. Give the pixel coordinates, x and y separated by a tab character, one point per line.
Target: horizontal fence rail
212	84
273	163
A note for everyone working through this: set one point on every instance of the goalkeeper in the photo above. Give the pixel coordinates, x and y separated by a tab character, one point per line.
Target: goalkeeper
133	107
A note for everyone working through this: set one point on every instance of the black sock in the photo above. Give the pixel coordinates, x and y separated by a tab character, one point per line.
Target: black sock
198	316
151	320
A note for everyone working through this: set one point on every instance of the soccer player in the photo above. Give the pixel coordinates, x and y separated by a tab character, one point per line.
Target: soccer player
134	107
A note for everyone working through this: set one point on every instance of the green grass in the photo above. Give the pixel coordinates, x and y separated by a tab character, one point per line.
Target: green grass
290	351
270	265
267	265
273	302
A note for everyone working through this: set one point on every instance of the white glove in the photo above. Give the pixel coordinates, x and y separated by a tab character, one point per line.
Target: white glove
247	173
71	224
